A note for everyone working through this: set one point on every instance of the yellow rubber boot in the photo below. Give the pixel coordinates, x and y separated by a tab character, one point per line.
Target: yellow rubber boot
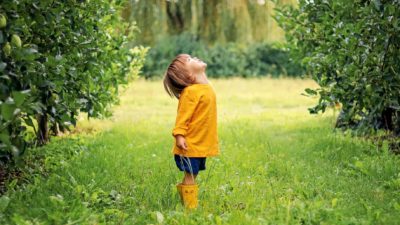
189	195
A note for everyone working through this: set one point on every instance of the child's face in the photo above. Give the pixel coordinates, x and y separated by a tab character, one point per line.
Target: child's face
194	64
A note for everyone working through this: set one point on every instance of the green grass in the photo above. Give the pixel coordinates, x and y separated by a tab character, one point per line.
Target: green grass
278	165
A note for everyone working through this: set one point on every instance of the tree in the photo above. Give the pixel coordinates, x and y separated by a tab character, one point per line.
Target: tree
212	21
351	49
59	58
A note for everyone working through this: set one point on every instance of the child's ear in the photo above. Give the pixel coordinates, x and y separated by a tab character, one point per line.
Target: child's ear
192	78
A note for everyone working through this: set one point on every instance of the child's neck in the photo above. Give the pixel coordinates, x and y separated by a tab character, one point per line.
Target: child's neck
201	78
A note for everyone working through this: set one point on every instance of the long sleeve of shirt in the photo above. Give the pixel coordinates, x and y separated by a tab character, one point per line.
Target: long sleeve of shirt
186	106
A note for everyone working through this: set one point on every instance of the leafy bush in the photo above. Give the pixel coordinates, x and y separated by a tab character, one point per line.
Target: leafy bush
59	58
223	60
352	50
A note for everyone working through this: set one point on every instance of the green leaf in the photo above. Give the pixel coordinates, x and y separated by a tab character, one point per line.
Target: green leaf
3	65
4	201
20	96
310	91
5	137
377	4
7	111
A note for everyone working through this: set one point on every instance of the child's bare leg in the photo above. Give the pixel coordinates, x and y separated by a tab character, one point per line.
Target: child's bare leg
189	178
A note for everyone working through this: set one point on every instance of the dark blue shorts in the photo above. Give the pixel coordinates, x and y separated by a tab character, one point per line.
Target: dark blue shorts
190	164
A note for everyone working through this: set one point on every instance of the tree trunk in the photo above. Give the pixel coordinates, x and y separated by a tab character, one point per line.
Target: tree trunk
43	131
387	119
54	129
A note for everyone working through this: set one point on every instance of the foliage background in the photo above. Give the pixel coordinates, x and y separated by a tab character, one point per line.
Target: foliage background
235	38
351	49
59	58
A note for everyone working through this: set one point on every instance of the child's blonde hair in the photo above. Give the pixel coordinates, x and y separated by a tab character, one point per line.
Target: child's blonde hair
177	77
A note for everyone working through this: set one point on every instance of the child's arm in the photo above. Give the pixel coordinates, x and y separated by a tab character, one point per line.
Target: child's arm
186	107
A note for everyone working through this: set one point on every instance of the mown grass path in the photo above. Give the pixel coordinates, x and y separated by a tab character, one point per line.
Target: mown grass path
278	165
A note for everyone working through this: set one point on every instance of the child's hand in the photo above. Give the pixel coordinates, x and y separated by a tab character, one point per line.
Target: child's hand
181	142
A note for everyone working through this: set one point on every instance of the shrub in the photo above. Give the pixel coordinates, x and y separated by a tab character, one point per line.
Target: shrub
59	58
223	60
351	49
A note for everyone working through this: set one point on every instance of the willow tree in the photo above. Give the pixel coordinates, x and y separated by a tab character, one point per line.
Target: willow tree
221	21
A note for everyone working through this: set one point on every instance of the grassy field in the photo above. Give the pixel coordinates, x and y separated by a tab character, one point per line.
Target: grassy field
278	165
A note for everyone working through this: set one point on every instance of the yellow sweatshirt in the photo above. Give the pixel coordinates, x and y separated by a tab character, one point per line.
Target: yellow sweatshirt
196	120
